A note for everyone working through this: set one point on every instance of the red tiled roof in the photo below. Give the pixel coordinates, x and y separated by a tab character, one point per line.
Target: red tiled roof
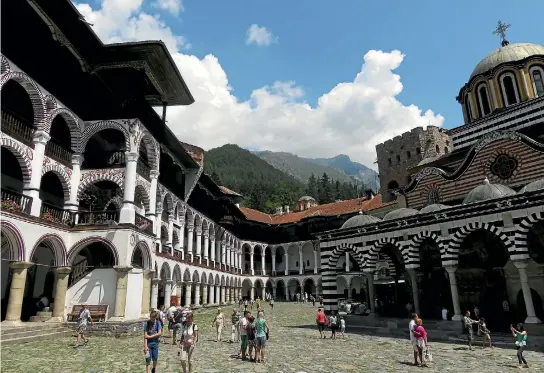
228	191
195	152
329	209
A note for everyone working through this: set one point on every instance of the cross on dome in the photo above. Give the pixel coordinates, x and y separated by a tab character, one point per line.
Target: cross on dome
501	32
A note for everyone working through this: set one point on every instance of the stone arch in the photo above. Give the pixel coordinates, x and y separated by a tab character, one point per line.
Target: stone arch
522	232
217	280
57	246
169	205
166	271
94	176
222	280
96	127
50	103
186	275
151	147
176	274
74	250
211	279
415	244
13	244
340	249
33	91
141	190
146	253
62	174
452	252
23	155
374	252
203	278
4	65
73	124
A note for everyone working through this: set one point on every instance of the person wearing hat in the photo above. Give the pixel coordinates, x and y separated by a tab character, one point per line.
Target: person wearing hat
219	323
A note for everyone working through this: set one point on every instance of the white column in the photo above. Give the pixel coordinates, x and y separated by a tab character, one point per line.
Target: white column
217	294
190	241
205	295
206	248
127	211
273	261
233	257
251	259
415	291
529	305
252	292
158	225
371	295
155	293
212	247
197	294
227	254
454	293
222	295
241	262
154	174
347	262
170	232
315	262
198	232
75	178
188	288
286	264
39	139
263	270
212	294
300	261
223	253
168	292
493	96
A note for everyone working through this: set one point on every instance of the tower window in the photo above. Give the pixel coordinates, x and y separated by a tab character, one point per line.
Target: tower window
398	158
537	75
389	161
508	88
446	150
447	142
468	108
485	108
408	155
437	149
418	151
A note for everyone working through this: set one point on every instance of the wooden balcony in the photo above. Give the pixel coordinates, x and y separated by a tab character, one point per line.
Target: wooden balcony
15	202
17	127
144	224
56	151
98	218
56	214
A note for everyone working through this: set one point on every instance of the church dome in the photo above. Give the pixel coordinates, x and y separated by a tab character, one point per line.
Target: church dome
306	198
400	213
433	208
508	53
488	191
533	187
360	220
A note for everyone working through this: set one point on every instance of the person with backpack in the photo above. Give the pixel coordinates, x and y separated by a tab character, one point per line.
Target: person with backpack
188	342
333	324
262	329
177	321
152	334
251	336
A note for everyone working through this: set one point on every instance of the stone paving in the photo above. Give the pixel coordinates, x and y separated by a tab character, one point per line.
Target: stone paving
292	348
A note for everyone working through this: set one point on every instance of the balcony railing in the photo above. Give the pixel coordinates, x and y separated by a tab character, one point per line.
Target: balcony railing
56	151
98	217
144	224
17	127
15	202
56	214
143	169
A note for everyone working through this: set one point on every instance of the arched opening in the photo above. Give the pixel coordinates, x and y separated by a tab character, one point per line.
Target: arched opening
105	149
143	168
358	289
537	76
17	112
52	197
141	201
484	107
269	287
468	108
93	256
309	287
246	289
280	262
268	260
259	289
390	283
508	89
196	284
293	261
13	181
171	175
480	277
308	260
522	309
293	288
137	260
535	242
100	203
59	147
433	282
257	259
392	186
247	259
280	290
342	291
164	239
12	250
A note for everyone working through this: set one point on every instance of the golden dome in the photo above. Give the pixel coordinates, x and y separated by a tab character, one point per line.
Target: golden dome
508	53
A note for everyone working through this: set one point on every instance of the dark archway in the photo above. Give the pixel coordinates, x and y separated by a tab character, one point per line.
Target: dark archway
280	290
100	203
309	286
12	175
17	112
433	282
521	313
59	147
535	242
86	259
105	149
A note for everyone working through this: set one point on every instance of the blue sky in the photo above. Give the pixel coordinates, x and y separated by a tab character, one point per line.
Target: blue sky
244	93
321	45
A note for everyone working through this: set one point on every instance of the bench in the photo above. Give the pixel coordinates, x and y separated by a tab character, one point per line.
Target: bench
99	312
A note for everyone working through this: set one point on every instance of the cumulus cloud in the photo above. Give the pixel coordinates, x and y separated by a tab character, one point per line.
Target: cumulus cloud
352	118
260	36
173	6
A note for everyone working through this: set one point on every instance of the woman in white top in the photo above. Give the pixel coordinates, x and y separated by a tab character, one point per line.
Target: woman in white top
187	344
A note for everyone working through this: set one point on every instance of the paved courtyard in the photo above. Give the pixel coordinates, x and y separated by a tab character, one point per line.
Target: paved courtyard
291	349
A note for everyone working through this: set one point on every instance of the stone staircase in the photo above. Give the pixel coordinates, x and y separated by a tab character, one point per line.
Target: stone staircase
29	332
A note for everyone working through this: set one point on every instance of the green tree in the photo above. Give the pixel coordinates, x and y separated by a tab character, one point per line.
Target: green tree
215	177
326	194
311	188
338	195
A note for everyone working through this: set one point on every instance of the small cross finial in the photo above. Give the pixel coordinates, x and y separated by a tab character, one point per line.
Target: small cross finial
501	32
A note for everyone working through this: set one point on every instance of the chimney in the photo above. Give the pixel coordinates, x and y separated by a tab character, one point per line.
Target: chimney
286	209
369	194
279	210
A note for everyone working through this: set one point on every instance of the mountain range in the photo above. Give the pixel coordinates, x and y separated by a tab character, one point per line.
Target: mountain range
340	167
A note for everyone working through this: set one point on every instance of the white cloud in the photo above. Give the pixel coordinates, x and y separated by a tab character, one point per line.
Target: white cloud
173	6
350	119
260	36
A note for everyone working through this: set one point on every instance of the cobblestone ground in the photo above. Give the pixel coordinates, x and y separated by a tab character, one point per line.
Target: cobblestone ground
292	348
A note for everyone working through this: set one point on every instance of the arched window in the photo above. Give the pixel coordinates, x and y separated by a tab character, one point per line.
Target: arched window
437	149
408	155
537	77
509	89
446	150
483	99
468	107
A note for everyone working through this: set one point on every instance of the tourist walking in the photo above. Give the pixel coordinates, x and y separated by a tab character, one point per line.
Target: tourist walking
242	327
333	324
342	326
413	340
251	334
152	333
170	317
235	333
180	316
261	337
320	320
468	322
482	330
521	343
83	320
271	303
188	342
421	341
219	323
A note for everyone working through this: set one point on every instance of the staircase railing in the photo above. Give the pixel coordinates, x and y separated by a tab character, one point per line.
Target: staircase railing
79	270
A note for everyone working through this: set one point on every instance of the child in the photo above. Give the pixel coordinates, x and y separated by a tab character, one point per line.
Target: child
251	333
342	326
482	329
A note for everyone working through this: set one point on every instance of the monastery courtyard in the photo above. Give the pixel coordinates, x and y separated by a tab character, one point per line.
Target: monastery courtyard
294	347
